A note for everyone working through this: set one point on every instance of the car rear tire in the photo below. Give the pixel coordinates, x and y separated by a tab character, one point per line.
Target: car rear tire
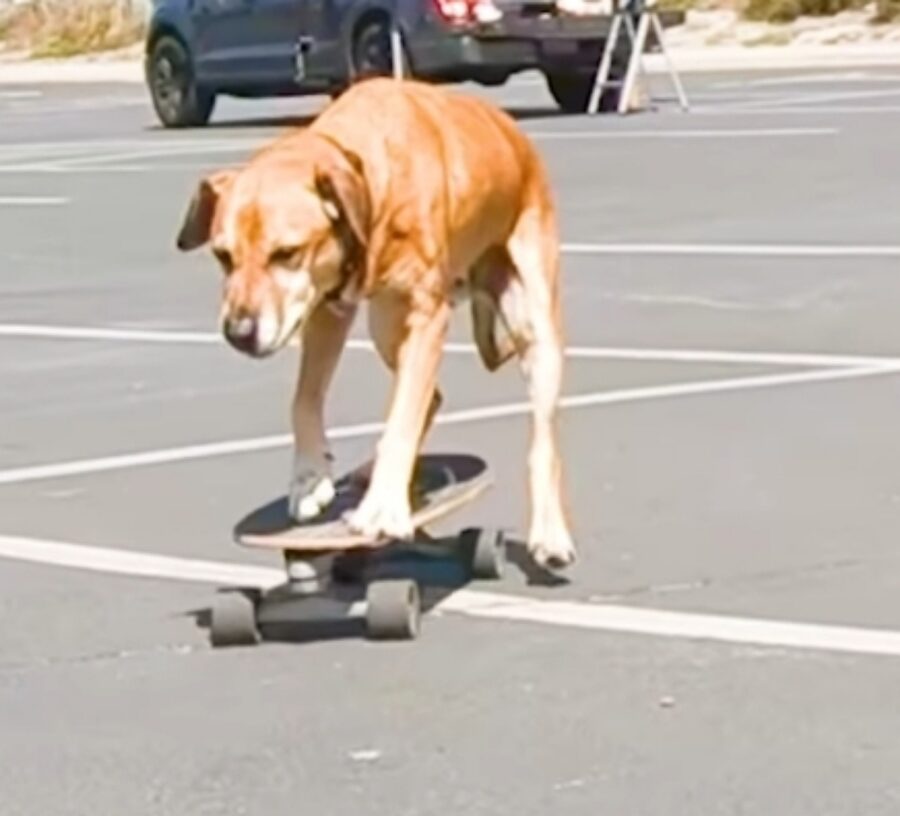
177	99
372	49
572	90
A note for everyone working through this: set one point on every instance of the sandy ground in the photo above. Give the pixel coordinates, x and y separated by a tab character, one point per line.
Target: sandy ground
716	28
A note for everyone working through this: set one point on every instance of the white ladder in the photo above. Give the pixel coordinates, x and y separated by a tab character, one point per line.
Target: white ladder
396	49
625	10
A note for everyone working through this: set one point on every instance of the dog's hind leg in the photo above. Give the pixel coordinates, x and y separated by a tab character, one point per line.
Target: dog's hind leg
312	488
493	308
531	306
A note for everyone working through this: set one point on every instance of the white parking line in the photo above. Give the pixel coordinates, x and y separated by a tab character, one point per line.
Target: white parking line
810	79
103	147
750	250
805	110
49	108
127	157
45	332
660	623
82	156
109	151
52	169
184	337
804	99
19	95
32	201
469	415
138	564
150	153
489	605
722	133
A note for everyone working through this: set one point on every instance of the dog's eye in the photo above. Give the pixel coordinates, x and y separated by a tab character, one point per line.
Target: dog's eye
223	256
286	256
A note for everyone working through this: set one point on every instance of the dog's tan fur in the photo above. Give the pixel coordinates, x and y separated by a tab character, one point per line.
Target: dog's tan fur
405	195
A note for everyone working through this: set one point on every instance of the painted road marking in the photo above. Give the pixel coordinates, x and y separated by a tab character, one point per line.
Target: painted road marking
661	623
191	337
810	79
757	250
477	604
803	99
254	444
736	133
19	95
805	110
121	156
32	201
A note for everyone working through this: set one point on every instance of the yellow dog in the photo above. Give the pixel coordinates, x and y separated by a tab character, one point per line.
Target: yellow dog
409	196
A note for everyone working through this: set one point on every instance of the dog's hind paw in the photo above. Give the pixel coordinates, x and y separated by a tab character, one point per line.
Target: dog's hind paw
553	554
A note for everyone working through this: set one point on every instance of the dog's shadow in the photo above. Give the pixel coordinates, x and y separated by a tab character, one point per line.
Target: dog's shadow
438	575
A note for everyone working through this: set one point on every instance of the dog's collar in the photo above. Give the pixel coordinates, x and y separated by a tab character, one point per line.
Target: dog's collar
352	250
351	259
342	293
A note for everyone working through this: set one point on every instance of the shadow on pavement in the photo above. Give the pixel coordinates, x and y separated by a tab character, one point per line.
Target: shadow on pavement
288	122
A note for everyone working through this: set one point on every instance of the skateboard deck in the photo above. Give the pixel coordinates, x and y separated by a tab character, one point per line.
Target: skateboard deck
442	483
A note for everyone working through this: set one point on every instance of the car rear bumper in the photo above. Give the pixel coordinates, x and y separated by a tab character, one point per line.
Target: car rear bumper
514	44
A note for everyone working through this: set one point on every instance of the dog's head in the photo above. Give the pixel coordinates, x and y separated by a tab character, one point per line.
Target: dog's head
288	230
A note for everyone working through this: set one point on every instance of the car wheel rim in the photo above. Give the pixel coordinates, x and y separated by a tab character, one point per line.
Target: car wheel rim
374	52
169	90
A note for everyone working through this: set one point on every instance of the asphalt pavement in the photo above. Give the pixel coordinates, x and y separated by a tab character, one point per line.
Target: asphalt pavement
729	641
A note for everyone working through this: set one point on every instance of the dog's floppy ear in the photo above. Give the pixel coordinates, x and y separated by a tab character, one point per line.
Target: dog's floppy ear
341	186
195	229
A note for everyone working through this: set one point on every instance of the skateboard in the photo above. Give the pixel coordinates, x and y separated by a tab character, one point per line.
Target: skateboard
329	567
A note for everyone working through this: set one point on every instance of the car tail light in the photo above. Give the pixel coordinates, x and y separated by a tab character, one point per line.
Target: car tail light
468	11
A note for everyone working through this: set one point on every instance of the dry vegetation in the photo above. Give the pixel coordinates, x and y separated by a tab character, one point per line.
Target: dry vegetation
786	11
62	28
887	11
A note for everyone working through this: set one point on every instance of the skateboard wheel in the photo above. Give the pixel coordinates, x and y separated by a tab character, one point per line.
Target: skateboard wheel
393	609
486	550
233	621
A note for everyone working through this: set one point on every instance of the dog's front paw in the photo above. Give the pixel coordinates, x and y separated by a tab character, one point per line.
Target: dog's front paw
311	489
378	517
553	552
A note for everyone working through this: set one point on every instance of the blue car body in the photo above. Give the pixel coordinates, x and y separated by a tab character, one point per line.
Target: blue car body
277	47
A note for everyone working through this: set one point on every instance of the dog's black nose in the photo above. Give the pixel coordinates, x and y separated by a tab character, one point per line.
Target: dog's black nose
240	331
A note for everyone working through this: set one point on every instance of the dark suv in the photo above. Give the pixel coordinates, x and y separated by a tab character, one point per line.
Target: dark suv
198	49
